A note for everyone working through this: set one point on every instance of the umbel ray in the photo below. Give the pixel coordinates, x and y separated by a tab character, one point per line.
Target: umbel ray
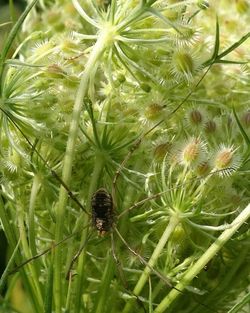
101	199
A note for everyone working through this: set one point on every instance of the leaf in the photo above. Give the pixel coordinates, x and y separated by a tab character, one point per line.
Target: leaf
234	46
230	62
217	40
244	134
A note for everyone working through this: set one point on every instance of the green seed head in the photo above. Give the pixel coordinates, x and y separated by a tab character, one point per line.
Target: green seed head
195	117
161	150
192	152
210	127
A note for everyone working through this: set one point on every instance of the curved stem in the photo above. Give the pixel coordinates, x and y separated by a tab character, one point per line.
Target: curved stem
84	15
203	260
98	49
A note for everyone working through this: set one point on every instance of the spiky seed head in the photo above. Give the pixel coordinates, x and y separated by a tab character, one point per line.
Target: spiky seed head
187	35
69	45
161	150
192	152
153	111
153	107
12	162
210	127
43	48
184	64
203	168
195	117
54	71
226	159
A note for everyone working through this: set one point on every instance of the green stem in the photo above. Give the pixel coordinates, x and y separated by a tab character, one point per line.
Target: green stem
7	225
10	234
104	287
238	307
173	222
98	49
99	163
31	220
204	259
32	275
11	261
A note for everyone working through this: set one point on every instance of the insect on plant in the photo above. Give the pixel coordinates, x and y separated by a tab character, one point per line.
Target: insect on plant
137	153
105	218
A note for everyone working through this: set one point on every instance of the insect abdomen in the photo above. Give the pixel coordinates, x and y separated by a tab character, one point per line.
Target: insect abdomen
102	211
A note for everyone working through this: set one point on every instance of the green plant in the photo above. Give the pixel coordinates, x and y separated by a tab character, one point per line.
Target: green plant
148	88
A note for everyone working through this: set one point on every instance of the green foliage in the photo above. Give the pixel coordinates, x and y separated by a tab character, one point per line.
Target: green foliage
158	91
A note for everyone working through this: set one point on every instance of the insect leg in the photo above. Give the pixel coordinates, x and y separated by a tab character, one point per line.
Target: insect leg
157	273
158	194
143	261
40	254
121	273
69	274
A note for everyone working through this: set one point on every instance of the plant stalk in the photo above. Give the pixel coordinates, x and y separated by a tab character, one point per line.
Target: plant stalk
204	259
173	222
98	49
99	163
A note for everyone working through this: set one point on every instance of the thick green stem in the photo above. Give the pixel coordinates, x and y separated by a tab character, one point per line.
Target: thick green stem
99	163
173	222
98	49
204	259
104	287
